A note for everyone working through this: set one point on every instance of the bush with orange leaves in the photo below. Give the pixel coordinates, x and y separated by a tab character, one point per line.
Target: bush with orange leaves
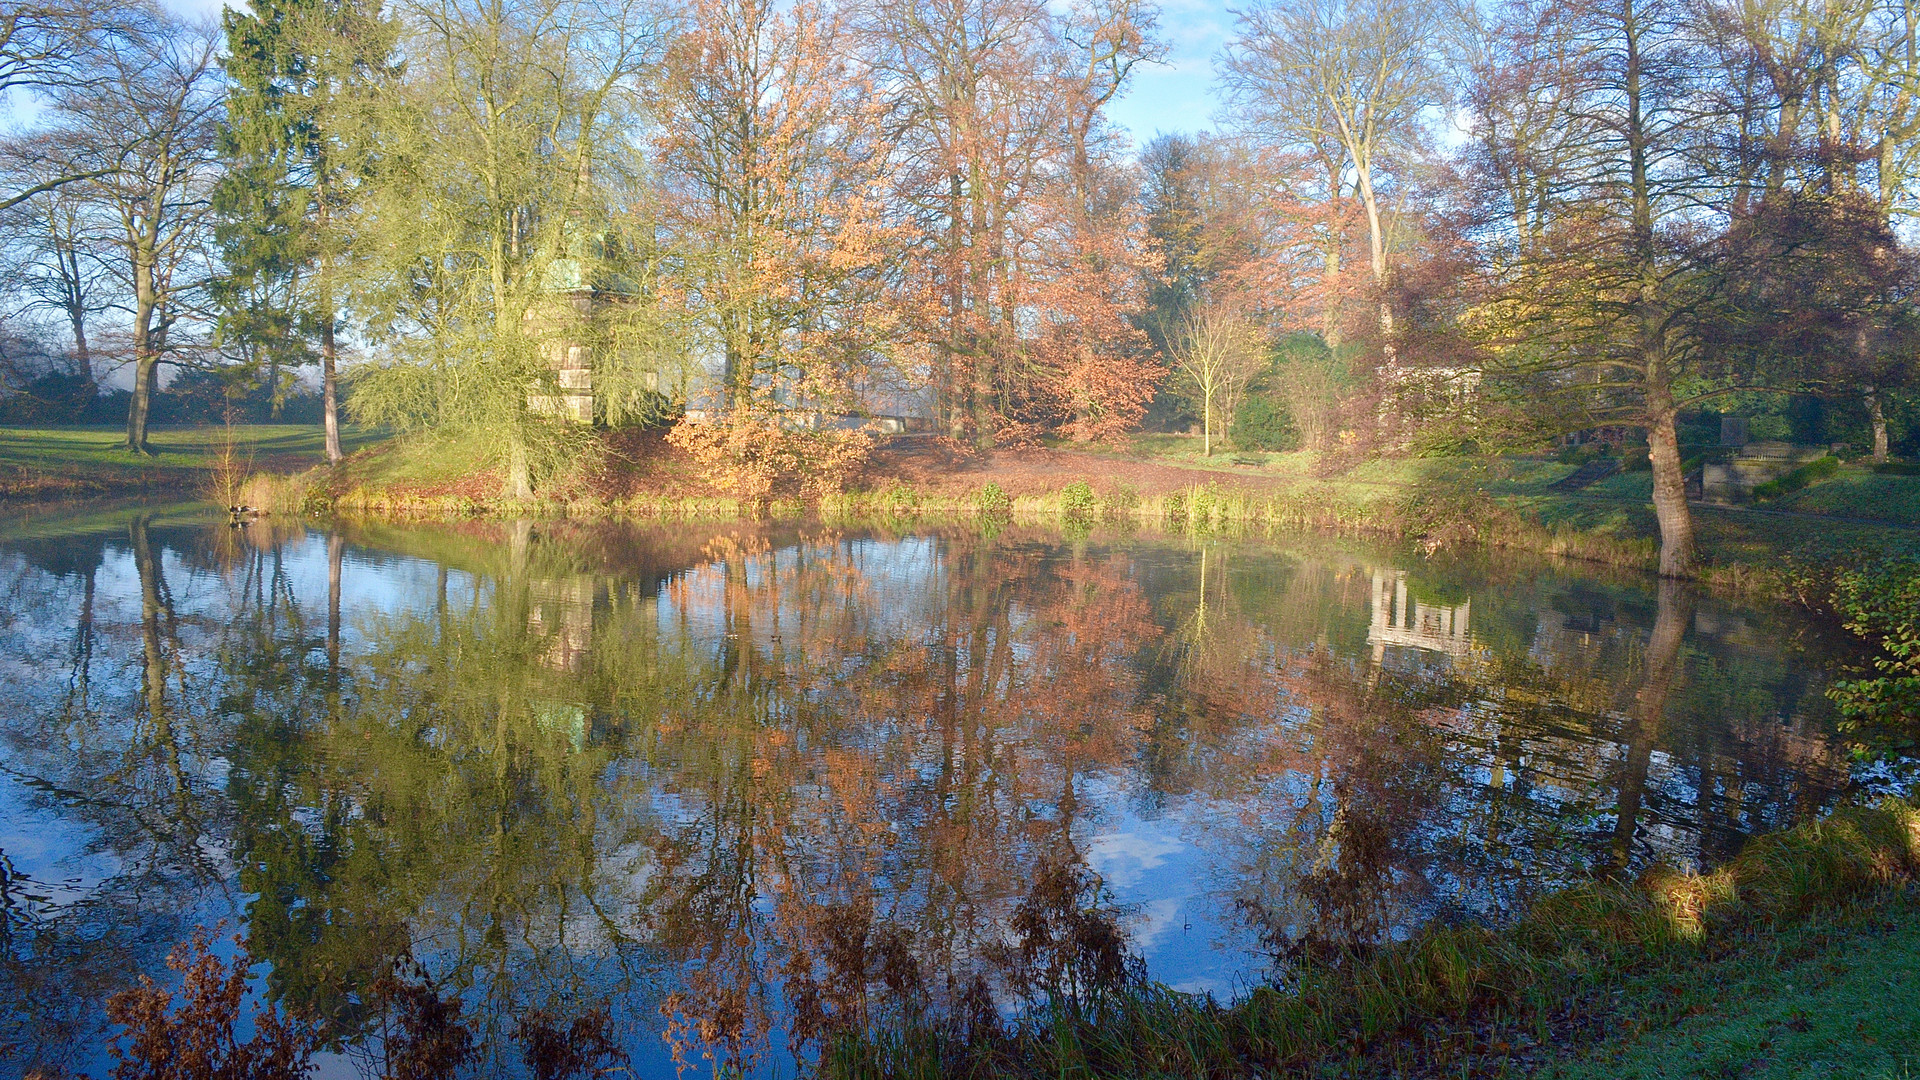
757	455
196	1040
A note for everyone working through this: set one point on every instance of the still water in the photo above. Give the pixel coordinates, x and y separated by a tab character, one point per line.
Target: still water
717	778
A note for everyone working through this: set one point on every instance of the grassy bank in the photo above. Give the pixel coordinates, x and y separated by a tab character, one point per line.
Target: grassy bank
1164	482
1160	482
1817	927
1433	517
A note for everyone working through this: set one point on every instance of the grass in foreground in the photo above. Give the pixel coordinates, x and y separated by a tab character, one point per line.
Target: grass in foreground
1834	996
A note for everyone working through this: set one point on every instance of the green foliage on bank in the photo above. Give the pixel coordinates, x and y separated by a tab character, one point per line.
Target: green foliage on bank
1880	602
1264	424
1812	472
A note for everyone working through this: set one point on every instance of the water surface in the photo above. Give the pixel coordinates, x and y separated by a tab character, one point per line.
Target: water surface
743	786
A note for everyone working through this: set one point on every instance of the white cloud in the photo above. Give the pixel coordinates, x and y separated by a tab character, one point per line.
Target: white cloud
1121	859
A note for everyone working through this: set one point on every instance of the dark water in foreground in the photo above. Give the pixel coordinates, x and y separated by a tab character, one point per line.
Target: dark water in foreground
700	774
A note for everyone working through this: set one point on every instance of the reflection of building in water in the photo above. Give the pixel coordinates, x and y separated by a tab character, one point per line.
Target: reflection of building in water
1571	642
563	608
1401	620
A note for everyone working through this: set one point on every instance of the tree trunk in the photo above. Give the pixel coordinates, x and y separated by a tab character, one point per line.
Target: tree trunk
1206	423
519	476
329	399
1670	497
983	427
980	325
145	357
1330	277
956	394
1377	252
141	403
81	353
329	353
1877	416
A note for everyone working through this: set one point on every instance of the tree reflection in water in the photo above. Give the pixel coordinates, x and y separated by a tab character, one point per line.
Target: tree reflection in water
748	789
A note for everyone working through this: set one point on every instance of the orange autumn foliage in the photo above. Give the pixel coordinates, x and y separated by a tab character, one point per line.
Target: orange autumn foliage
756	455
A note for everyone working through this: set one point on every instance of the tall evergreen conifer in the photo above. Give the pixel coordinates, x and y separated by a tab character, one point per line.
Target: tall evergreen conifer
300	71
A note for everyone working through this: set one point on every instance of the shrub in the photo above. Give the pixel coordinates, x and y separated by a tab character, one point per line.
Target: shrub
992	502
1580	453
756	457
1818	469
1077	501
1176	508
899	500
53	398
557	1047
1264	424
197	1040
1881	603
1203	506
271	493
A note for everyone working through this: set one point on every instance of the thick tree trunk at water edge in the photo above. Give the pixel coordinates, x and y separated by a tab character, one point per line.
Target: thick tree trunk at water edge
1670	497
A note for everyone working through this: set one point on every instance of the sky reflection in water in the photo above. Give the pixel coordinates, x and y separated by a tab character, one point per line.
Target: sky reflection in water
718	773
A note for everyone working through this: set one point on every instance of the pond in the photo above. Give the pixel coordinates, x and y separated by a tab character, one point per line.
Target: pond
741	785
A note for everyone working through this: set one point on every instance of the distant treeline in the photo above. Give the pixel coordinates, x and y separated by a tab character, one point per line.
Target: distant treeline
194	397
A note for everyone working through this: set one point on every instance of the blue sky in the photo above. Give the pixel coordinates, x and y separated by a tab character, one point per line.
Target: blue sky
1178	95
1173	96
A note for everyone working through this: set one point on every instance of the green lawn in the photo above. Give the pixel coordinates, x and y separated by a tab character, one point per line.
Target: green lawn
1858	492
1835	996
93	460
1856	510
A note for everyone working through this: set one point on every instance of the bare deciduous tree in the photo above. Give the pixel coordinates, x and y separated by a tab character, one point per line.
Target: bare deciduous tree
1348	83
145	119
48	46
1217	350
51	251
970	82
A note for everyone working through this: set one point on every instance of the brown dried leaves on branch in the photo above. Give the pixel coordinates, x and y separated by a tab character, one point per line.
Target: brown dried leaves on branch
753	455
196	1040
